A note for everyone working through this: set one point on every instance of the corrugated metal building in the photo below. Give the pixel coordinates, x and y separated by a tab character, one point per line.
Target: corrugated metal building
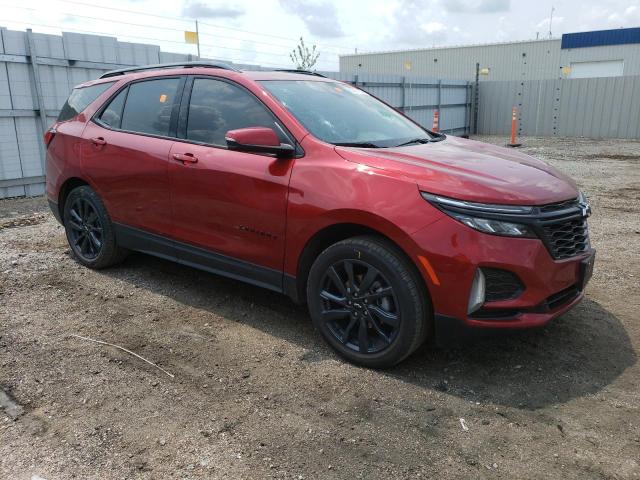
605	53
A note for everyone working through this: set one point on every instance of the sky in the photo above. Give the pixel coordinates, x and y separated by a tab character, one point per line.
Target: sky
265	31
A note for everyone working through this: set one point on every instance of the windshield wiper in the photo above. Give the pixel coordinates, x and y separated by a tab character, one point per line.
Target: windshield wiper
357	144
415	140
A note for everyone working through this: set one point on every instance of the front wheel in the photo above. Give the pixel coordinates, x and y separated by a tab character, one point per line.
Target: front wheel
368	302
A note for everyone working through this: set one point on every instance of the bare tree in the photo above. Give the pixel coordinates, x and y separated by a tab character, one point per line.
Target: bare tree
303	57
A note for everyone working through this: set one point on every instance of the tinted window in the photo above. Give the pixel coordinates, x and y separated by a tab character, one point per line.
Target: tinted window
80	99
112	115
217	107
339	113
148	107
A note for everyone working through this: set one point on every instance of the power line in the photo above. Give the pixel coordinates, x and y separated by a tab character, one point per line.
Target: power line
73	30
155	39
127	11
93	18
261	52
182	19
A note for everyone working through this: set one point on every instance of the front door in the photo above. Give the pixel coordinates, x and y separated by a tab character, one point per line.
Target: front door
230	204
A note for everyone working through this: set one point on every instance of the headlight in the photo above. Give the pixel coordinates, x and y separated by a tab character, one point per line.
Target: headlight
487	218
495	227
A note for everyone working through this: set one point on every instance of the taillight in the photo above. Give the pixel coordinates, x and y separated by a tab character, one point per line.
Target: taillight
48	136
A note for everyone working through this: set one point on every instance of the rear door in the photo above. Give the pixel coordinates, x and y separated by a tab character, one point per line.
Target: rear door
230	203
126	152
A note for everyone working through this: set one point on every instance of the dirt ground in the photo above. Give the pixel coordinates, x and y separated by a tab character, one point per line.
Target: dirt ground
257	394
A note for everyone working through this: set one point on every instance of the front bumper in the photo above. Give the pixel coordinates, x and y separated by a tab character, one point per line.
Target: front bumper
455	252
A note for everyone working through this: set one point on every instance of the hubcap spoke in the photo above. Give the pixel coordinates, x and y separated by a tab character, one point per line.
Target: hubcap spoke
348	267
337	281
386	317
377	328
336	314
94	240
76	216
347	331
368	279
379	294
84	245
76	226
91	218
333	298
79	238
363	337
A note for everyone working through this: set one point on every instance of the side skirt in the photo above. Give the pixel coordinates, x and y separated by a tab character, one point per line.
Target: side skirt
200	258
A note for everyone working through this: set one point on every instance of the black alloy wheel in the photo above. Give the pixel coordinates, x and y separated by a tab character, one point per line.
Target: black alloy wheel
85	229
90	232
368	301
359	306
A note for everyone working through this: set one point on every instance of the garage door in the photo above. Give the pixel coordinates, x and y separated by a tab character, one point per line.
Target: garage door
608	68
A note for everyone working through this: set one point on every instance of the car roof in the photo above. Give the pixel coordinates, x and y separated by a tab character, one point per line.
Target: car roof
255	75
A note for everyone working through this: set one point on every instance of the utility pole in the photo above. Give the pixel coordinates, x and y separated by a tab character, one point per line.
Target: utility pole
198	39
551	21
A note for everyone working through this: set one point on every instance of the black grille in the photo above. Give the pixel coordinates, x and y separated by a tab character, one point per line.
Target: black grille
566	238
554	207
501	284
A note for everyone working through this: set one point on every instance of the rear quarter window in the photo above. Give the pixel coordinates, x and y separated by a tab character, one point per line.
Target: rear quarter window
80	99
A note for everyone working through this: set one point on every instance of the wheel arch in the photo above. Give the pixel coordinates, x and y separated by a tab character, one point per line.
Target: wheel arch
336	232
67	186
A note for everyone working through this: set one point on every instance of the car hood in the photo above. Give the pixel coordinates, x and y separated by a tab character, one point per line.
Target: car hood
470	170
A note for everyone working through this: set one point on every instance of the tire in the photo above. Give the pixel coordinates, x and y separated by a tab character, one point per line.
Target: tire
381	314
89	230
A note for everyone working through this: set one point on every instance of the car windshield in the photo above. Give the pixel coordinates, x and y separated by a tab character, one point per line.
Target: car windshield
340	114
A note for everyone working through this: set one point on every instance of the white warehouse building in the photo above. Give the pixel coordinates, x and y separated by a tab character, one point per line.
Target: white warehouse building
604	53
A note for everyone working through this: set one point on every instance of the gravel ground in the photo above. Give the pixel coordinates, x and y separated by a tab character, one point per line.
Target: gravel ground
256	394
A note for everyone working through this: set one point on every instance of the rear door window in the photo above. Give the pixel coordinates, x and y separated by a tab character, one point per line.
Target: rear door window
149	105
217	107
80	99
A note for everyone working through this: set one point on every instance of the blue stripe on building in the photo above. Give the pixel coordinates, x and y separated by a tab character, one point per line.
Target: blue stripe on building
600	38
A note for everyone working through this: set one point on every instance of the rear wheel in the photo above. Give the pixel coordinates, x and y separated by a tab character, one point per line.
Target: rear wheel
368	301
89	229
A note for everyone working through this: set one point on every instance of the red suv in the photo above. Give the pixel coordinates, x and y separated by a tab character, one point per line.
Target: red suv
311	187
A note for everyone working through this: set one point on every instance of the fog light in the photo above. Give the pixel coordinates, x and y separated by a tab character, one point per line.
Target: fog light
476	297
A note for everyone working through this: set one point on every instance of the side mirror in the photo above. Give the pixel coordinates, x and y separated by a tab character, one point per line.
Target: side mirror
258	140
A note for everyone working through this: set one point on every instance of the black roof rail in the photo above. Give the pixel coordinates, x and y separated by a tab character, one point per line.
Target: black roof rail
301	72
159	66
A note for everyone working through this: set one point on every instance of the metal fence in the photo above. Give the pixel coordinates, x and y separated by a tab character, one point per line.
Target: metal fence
419	97
37	72
589	107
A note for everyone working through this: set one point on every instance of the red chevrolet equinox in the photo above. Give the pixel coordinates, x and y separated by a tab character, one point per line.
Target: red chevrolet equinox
390	233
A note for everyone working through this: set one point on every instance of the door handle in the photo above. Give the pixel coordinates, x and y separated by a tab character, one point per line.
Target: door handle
98	141
185	158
